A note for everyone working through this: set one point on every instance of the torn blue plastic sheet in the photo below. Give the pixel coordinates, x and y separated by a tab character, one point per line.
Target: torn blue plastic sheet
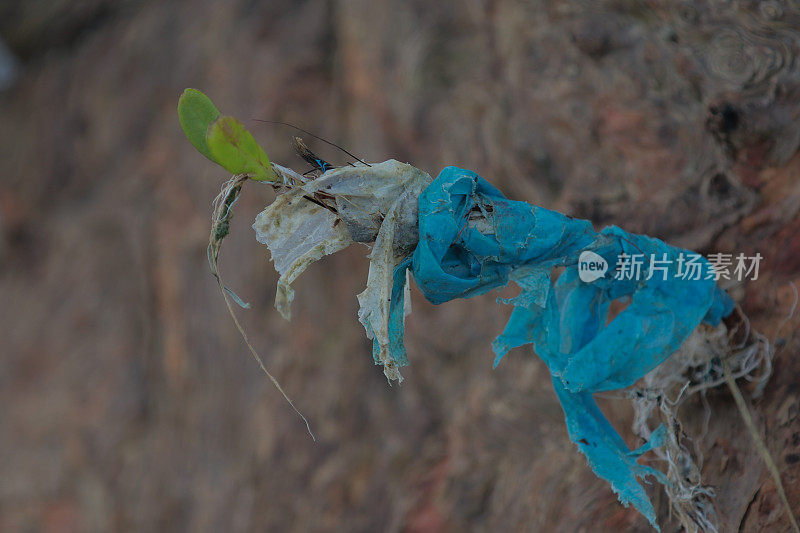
472	240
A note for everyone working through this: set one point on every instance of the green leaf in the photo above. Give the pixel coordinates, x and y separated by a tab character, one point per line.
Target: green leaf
196	112
235	149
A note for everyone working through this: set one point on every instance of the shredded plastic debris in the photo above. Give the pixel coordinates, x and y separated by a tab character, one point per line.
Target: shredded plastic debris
472	240
459	237
377	203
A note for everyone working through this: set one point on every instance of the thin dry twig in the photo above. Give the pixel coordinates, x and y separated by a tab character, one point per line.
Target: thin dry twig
759	442
220	226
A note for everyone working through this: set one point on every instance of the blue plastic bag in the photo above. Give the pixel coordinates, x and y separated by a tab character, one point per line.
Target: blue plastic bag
472	240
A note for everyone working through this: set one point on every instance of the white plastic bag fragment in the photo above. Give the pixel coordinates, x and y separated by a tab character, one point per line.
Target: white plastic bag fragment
364	196
297	233
376	203
374	302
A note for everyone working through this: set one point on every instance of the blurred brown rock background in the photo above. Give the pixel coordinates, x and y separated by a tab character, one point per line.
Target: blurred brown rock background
127	399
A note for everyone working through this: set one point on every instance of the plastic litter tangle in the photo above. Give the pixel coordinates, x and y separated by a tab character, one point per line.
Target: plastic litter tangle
459	237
